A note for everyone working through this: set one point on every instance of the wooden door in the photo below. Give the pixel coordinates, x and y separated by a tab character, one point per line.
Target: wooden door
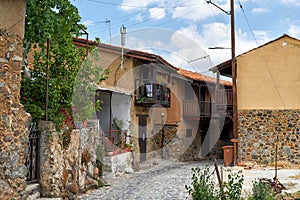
143	137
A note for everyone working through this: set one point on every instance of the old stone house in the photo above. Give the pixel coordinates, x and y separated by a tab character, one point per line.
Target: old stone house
165	110
13	132
268	101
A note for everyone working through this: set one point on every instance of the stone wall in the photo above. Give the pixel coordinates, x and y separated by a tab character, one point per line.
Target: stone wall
171	145
258	131
13	133
69	160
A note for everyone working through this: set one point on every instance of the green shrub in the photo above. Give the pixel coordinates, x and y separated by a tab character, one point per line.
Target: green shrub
202	186
233	188
262	191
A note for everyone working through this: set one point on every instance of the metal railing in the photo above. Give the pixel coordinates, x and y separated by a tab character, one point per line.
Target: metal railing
32	157
115	136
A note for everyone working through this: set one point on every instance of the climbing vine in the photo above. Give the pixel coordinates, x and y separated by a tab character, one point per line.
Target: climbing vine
58	22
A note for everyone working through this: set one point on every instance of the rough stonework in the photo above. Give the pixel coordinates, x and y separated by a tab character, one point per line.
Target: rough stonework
13	133
258	131
69	160
171	144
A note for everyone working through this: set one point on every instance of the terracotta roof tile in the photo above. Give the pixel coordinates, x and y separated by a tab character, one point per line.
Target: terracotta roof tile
200	77
129	52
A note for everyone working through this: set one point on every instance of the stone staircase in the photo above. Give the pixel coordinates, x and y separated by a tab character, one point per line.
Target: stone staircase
33	191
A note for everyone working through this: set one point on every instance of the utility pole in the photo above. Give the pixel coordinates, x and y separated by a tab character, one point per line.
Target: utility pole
234	75
234	88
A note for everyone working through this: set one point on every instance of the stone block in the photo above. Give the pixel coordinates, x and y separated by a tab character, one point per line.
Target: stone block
18	172
16	58
46	125
3	60
13	46
287	150
16	66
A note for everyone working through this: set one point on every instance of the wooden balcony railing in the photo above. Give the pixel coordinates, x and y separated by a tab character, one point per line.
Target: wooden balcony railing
148	94
192	108
224	102
224	97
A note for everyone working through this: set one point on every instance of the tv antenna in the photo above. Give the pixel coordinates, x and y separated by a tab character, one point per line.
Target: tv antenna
107	21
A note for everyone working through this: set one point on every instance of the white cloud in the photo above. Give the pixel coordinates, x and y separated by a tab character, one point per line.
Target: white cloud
128	5
188	44
88	23
138	17
260	10
193	10
291	2
200	10
157	13
218	35
294	30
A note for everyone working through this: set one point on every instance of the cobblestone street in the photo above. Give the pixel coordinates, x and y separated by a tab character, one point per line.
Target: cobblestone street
167	180
164	181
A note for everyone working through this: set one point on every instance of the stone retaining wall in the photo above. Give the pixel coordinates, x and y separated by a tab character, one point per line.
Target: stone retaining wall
13	132
258	131
69	160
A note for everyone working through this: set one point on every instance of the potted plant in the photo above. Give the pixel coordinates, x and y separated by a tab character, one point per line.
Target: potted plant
128	147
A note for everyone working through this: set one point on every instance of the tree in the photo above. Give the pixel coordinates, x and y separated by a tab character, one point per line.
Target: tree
58	22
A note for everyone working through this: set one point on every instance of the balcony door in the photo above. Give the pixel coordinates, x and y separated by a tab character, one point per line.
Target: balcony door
142	136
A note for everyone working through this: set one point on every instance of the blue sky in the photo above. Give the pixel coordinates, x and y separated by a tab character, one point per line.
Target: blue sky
182	30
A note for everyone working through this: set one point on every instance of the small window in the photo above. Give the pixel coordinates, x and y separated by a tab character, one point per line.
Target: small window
189	132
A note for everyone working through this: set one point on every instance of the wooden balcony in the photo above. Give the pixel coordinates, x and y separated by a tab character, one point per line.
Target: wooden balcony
196	109
147	95
224	97
224	102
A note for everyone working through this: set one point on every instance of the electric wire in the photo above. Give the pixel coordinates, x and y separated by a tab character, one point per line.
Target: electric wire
158	15
262	56
144	14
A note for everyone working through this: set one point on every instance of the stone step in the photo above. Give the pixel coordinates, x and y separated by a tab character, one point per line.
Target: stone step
148	164
33	191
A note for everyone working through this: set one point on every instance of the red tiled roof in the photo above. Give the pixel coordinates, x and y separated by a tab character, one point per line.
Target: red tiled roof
127	52
200	77
149	56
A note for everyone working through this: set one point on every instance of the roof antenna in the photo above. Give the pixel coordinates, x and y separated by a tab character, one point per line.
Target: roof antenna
122	32
108	21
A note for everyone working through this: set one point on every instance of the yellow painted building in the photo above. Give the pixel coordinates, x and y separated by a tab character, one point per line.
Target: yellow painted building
268	100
